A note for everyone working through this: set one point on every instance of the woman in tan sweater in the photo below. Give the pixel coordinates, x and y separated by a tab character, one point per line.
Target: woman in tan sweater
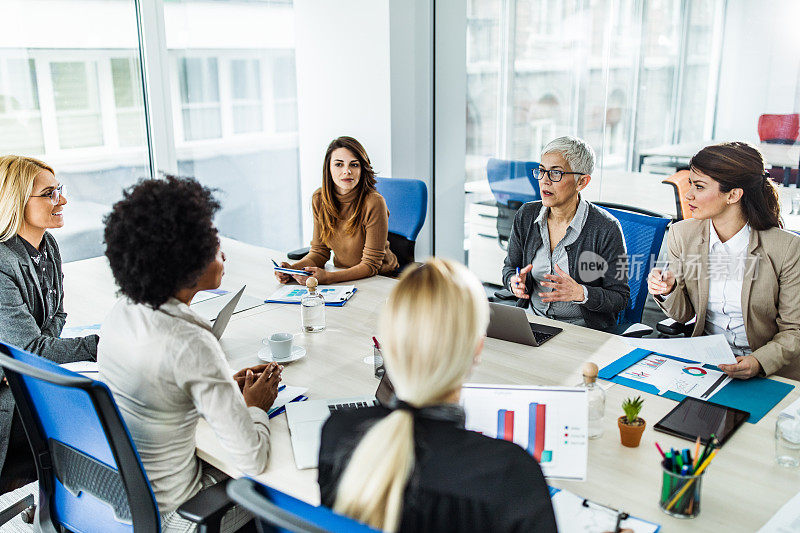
350	218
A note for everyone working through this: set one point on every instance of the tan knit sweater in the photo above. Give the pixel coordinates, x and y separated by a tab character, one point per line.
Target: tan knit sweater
366	251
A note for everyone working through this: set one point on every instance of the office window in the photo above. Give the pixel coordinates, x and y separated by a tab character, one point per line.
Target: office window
200	106
624	75
285	93
20	116
77	103
246	95
233	80
126	78
71	95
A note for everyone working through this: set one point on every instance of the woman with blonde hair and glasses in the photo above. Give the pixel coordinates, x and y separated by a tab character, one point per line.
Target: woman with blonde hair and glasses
31	292
414	467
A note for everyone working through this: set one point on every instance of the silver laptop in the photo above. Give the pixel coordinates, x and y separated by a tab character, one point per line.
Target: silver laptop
225	314
510	323
305	420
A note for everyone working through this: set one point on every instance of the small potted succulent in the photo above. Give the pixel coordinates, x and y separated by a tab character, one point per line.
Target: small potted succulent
630	425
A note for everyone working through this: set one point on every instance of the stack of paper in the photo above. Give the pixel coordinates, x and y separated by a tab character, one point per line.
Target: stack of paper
711	349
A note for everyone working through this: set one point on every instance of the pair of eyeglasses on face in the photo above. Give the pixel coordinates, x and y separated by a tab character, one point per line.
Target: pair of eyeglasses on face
555	175
54	195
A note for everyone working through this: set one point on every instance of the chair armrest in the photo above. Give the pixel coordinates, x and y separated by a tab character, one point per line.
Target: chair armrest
631	330
673	327
504	294
296	255
207	507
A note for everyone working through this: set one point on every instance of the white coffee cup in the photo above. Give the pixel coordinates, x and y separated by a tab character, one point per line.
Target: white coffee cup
280	344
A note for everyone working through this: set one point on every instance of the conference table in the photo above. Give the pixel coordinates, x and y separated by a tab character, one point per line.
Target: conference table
741	490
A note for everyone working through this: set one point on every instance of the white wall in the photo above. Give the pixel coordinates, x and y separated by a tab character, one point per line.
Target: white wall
343	88
363	69
760	65
411	56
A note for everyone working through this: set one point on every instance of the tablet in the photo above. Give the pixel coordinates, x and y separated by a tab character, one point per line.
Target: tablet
692	418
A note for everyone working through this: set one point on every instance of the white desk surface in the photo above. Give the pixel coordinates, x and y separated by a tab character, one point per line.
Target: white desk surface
742	489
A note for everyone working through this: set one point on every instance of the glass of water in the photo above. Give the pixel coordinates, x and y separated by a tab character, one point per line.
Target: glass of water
787	441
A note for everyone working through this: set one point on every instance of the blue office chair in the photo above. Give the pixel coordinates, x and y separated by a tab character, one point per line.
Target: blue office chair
90	475
277	512
407	201
512	181
643	231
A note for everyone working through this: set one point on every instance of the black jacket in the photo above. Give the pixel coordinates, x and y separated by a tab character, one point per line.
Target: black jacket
462	480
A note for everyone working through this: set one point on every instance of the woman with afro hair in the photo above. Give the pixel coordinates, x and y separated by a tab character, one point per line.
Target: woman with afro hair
164	366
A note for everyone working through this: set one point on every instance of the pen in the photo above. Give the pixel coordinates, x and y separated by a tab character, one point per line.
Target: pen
374	340
274	263
664	271
619	521
696	451
660	451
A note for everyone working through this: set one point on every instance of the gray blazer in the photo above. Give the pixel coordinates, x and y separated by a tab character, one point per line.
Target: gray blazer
19	288
601	235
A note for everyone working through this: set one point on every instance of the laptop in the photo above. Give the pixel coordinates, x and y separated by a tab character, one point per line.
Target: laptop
510	323
225	314
305	420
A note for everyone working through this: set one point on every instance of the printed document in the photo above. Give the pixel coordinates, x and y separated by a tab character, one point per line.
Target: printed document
711	349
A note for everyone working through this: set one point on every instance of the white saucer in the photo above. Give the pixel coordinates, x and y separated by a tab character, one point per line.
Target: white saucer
265	354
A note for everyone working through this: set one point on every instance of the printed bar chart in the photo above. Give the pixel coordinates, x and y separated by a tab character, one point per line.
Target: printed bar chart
536	425
505	425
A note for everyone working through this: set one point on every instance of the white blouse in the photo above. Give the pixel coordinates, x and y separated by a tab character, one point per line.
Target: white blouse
726	267
166	370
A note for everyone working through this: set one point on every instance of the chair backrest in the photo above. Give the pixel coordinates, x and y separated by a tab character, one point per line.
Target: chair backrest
780	129
407	200
680	183
90	475
643	234
279	512
512	180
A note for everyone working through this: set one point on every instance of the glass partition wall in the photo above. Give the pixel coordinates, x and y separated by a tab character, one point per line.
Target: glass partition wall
71	94
625	75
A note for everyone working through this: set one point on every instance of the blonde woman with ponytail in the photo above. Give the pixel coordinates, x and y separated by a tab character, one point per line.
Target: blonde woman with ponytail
413	466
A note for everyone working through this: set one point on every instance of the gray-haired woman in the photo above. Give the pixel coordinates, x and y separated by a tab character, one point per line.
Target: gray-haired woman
566	257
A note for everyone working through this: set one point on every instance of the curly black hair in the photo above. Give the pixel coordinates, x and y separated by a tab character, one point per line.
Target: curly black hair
160	237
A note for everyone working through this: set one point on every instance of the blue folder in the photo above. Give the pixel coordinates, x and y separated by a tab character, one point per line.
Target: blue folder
755	395
327	304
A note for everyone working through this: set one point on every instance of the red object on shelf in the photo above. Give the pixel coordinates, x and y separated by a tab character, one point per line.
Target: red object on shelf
782	129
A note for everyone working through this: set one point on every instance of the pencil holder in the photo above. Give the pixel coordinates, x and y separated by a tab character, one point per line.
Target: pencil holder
680	494
378	361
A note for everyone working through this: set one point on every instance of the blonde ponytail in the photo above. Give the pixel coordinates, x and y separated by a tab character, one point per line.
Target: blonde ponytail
431	328
372	487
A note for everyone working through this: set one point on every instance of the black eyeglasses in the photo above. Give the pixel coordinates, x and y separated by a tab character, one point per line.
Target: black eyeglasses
54	195
555	175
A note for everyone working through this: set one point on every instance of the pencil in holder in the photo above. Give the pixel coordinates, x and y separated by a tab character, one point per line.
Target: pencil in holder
680	494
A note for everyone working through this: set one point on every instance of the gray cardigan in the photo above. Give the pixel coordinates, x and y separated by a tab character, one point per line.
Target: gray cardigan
601	235
19	287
